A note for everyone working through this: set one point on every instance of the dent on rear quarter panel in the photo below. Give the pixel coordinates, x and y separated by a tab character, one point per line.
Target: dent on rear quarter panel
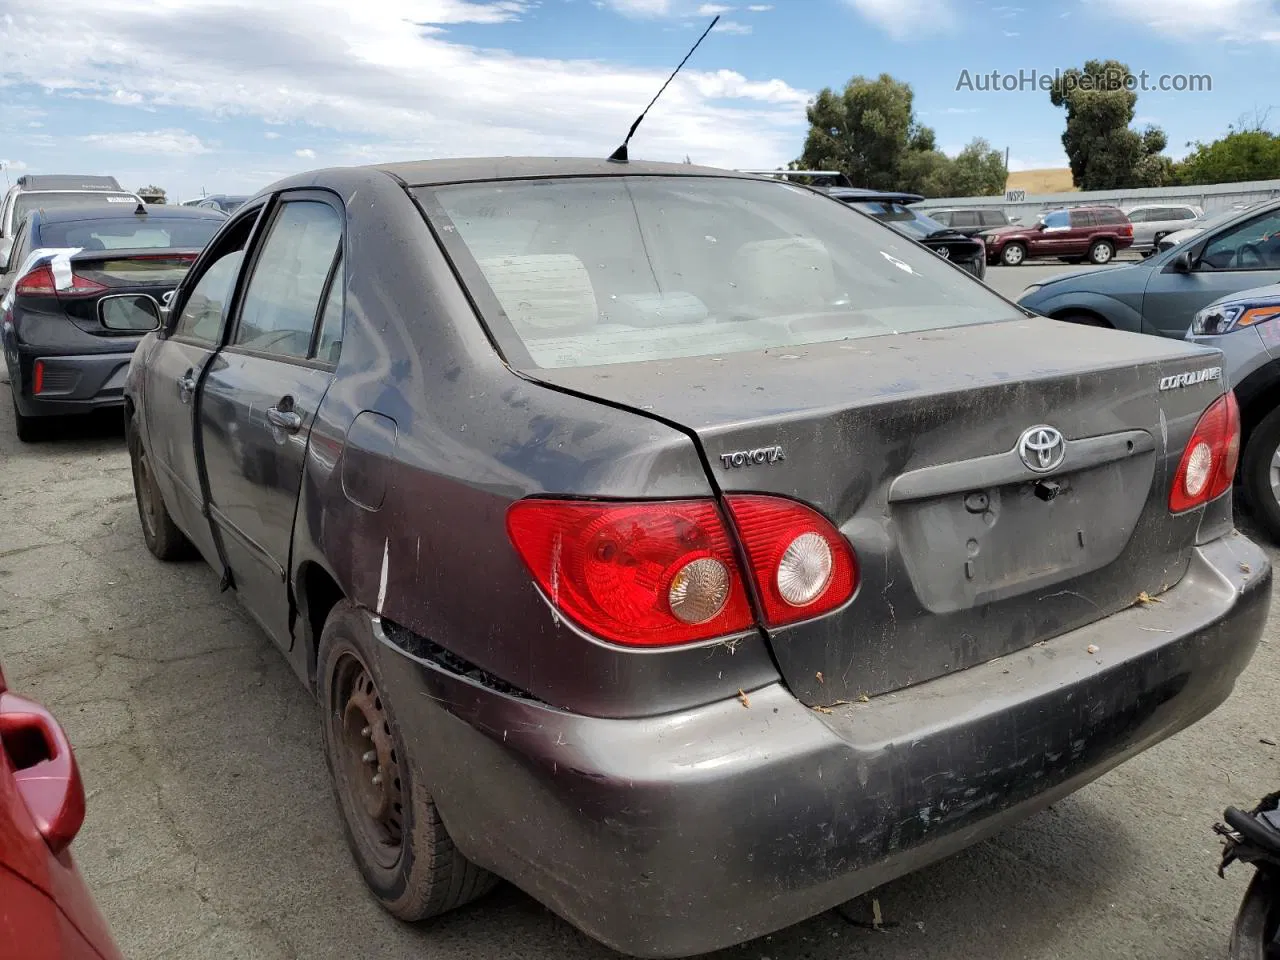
472	437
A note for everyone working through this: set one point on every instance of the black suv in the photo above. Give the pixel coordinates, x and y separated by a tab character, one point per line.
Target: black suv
893	209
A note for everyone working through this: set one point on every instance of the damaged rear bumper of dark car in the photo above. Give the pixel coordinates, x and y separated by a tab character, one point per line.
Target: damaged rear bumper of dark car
680	834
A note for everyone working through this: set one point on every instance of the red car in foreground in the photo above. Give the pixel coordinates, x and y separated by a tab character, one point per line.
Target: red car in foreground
46	911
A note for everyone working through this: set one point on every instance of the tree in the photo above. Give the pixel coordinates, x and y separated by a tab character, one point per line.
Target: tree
864	131
1104	153
152	194
1240	155
870	133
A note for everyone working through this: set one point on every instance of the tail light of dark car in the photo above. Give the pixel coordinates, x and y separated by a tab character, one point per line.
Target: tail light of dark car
663	573
1209	461
40	282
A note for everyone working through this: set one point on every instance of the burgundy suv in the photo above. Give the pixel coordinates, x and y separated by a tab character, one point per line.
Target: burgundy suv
1080	233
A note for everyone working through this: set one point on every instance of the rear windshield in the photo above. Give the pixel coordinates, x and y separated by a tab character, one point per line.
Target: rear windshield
119	233
619	269
26	202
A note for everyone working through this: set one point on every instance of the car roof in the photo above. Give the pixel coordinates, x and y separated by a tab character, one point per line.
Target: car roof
123	211
426	173
861	193
68	181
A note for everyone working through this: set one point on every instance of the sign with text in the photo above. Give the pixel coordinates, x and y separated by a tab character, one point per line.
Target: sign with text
1015	196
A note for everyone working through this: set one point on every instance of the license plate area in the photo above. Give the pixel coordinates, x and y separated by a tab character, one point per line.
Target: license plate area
965	549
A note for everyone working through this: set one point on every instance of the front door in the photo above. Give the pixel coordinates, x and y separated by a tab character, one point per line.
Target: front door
1239	257
1049	240
173	372
260	396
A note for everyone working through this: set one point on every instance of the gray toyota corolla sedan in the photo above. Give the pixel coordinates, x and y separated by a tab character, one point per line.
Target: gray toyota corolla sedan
678	545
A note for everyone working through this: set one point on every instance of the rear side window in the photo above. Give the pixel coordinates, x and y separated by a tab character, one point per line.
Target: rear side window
1109	216
1183	213
587	271
965	218
994	218
131	233
283	295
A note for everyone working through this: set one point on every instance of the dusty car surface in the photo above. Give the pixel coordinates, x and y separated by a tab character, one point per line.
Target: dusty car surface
658	538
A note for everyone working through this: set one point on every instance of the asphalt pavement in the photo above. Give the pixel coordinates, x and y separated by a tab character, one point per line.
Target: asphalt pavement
1011	281
211	831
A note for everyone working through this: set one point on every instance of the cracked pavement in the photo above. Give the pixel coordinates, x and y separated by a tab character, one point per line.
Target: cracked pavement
211	830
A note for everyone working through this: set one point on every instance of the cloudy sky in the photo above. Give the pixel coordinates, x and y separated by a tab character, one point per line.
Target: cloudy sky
228	95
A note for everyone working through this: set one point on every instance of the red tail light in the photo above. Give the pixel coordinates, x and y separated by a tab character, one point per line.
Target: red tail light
37	377
1127	230
803	566
40	283
37	283
642	574
1209	462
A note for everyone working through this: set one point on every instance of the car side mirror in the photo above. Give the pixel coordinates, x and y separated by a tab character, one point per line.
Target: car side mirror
130	313
1182	262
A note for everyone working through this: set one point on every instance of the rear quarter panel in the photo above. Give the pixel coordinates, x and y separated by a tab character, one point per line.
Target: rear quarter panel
426	545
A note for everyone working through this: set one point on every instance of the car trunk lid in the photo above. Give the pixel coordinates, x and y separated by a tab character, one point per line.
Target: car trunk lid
909	444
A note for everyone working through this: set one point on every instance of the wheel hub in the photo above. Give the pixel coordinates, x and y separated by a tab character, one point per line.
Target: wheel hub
1275	475
372	766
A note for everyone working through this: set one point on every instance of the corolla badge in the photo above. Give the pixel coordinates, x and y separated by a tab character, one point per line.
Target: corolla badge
1190	379
1042	448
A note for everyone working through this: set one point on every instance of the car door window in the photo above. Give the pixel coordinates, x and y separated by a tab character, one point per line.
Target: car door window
964	218
283	295
1252	245
1081	218
994	218
329	340
1057	220
18	252
202	314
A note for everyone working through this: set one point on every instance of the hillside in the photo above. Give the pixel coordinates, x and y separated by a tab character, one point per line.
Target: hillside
1042	181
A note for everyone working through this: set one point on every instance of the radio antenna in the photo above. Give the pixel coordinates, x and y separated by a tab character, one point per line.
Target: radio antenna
620	155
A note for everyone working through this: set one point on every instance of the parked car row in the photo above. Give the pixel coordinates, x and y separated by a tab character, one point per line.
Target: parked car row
558	481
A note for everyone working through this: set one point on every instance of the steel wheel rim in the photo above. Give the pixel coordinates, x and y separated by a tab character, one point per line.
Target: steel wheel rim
1014	256
146	495
1275	474
366	762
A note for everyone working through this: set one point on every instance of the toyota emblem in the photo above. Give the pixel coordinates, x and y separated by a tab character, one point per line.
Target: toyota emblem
1042	448
944	253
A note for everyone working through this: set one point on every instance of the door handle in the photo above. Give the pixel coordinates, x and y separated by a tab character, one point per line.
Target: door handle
46	774
284	419
186	386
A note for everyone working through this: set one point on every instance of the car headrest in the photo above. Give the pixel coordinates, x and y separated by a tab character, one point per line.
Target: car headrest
548	294
788	275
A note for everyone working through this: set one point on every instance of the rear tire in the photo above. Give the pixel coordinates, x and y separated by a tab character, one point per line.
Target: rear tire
1101	252
162	536
1013	255
1260	474
393	827
1255	921
1155	241
29	429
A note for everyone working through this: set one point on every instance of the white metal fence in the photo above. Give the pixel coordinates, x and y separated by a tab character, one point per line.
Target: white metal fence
1212	198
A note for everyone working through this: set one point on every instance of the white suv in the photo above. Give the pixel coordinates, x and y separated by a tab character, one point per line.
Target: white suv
54	190
1154	221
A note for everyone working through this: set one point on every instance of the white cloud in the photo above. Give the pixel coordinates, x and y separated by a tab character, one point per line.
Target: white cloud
371	74
1011	33
1243	21
14	165
174	142
306	153
732	26
642	8
271	135
903	19
760	7
713	9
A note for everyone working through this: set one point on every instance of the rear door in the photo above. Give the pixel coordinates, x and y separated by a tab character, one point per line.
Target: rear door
174	367
261	393
1235	258
1075	242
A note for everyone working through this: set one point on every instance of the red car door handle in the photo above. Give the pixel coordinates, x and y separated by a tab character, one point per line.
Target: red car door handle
44	769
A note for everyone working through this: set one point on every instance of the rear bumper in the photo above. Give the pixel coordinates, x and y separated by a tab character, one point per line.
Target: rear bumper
680	834
70	384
